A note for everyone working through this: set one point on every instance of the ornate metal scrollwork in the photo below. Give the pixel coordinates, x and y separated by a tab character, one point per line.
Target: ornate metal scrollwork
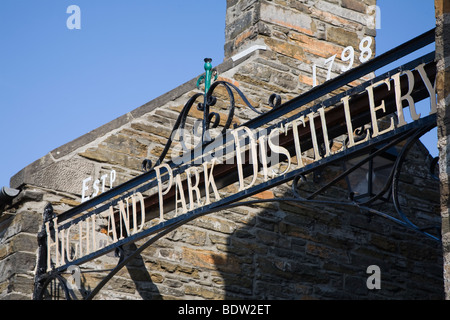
434	165
389	193
48	286
54	288
211	120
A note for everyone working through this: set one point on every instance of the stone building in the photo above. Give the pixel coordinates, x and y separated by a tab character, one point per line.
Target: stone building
262	250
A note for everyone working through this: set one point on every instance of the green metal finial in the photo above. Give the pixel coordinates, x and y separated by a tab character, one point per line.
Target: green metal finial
208	68
207	77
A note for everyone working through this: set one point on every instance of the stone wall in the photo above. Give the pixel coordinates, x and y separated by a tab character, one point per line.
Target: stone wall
443	87
267	251
20	223
297	35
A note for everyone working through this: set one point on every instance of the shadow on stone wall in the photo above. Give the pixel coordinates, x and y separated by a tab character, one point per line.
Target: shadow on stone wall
138	272
296	251
313	254
291	250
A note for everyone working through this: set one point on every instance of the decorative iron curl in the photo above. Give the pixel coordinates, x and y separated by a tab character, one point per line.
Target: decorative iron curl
359	134
295	186
147	164
392	182
51	286
396	177
211	120
433	164
274	100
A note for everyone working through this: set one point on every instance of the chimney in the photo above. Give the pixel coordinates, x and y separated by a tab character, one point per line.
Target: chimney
300	43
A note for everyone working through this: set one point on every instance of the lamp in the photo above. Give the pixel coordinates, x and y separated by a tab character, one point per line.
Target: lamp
372	174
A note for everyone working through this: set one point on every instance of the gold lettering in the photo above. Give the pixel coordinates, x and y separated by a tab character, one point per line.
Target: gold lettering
179	191
124	218
279	150
86	237
348	121
326	141
51	243
298	151
162	192
209	181
139	196
193	172
407	97
68	248
263	155
431	88
62	255
253	156
312	127
111	225
373	109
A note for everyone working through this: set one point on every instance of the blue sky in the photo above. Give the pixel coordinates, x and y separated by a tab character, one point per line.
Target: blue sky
57	84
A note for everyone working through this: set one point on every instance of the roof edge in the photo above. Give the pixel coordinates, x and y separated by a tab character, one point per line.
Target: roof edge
24	176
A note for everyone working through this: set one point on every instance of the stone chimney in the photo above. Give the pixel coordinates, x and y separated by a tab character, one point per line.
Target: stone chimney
301	41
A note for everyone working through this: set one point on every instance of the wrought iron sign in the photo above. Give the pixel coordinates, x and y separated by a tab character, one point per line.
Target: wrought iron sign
172	193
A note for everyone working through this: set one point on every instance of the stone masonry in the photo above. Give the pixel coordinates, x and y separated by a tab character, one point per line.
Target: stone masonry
268	251
443	96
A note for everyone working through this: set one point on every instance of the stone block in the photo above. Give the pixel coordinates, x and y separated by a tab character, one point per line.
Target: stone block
282	16
22	222
189	236
125	144
20	285
204	292
150	128
355	5
284	80
442	7
21	242
215	224
287	49
211	260
316	47
19	262
64	175
349	15
103	155
239	25
342	37
356	285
